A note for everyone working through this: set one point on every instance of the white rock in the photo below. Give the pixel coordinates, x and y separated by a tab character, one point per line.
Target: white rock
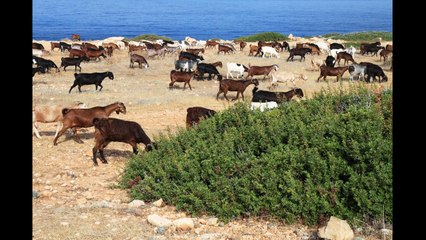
212	221
159	221
65	223
336	229
184	224
158	203
136	203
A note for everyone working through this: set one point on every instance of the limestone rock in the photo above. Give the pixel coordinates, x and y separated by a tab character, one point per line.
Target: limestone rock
336	229
184	224
158	203
136	203
159	221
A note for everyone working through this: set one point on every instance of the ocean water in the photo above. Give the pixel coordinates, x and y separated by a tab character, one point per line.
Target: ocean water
206	19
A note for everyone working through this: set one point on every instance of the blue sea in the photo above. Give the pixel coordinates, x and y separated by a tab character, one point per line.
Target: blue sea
206	19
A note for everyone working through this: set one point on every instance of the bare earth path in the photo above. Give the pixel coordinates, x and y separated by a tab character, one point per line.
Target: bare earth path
79	201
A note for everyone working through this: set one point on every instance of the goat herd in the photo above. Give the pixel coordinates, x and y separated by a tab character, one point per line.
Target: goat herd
189	65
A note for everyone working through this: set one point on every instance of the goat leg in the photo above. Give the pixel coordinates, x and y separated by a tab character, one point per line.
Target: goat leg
101	152
94	150
36	130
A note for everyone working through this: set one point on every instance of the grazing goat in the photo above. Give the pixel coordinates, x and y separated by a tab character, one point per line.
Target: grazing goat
226	85
48	114
385	54
185	77
298	52
284	77
139	59
261	70
64	46
278	97
207	68
90	78
336	46
189	56
253	49
65	62
332	71
83	118
345	56
45	63
37	46
372	71
269	50
116	130
225	49
195	114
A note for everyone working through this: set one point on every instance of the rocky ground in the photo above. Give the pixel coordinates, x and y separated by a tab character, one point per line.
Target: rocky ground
74	200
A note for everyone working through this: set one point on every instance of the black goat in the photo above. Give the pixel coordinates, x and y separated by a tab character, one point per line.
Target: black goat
67	61
207	68
64	46
45	63
195	114
116	130
336	46
372	71
278	97
189	56
38	69
330	61
90	78
298	52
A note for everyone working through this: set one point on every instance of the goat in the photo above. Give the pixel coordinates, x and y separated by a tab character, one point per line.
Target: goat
185	65
235	68
298	52
336	46
116	130
90	78
261	70
39	70
356	70
195	114
48	114
278	97
64	46
346	56
139	59
185	77
385	54
269	50
330	61
332	71
372	71
225	49
226	85
253	49
45	63
83	118
65	62
242	45
190	56
38	46
207	68
284	77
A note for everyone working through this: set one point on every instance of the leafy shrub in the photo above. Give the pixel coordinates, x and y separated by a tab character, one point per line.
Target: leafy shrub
329	155
149	37
360	36
265	36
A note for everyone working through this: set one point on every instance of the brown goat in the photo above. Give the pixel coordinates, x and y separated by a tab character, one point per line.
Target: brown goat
332	71
345	56
225	49
139	59
211	43
83	118
177	76
239	86
253	49
116	130
385	54
217	64
76	53
242	45
261	70
54	45
195	114
195	51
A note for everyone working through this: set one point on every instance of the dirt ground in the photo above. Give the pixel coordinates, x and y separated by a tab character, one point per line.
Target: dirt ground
78	201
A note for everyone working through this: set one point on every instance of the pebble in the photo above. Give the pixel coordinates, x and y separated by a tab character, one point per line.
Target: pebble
65	223
97	223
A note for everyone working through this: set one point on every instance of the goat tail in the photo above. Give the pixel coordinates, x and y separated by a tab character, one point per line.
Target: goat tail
65	111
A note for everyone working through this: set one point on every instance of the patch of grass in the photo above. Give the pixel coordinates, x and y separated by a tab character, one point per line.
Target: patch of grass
360	36
329	155
149	37
264	36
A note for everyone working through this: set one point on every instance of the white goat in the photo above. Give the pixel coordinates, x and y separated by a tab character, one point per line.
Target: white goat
235	68
270	50
52	113
263	105
284	77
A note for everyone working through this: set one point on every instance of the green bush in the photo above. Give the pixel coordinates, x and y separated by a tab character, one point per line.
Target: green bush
329	155
265	36
360	36
149	37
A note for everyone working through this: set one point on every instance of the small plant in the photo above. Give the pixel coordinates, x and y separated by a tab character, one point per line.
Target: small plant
265	36
149	37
